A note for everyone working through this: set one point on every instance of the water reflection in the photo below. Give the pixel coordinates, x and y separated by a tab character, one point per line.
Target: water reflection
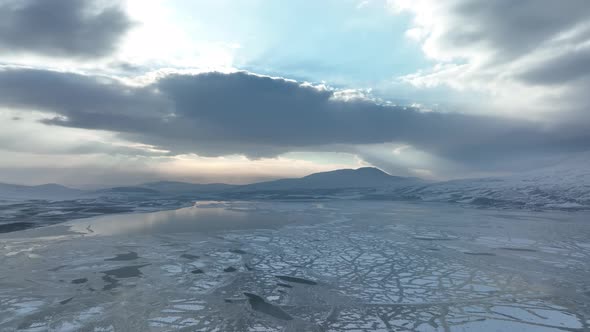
191	219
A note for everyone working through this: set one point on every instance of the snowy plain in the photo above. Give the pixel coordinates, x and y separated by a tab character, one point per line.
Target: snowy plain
334	265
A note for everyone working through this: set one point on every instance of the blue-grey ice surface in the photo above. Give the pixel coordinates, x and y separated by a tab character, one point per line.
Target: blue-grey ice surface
301	266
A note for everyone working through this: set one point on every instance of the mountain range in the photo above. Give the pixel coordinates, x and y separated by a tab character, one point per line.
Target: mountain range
362	178
44	191
566	185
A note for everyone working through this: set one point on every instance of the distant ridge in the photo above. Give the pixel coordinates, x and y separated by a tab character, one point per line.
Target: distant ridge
565	185
184	187
365	177
44	191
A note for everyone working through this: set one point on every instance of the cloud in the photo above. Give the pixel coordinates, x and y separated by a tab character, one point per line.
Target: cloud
214	114
526	55
504	29
78	96
560	69
62	28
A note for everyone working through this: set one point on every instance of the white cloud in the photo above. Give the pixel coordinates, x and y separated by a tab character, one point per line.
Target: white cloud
500	47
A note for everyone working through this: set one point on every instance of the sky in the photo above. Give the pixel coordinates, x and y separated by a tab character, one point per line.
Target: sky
99	92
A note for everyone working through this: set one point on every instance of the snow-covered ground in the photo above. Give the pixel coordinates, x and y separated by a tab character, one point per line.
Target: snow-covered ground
323	266
565	185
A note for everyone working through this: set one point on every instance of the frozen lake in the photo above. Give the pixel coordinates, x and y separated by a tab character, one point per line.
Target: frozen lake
330	266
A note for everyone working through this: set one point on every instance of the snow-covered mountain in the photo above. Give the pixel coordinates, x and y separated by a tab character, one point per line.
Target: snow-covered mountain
564	185
45	191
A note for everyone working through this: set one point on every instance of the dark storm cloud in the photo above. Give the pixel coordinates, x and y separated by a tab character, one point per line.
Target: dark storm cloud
217	114
70	28
512	28
80	97
561	69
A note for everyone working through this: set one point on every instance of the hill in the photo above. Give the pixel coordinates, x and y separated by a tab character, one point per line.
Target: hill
50	191
366	177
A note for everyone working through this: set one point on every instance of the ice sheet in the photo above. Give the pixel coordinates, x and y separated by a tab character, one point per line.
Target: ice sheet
338	266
